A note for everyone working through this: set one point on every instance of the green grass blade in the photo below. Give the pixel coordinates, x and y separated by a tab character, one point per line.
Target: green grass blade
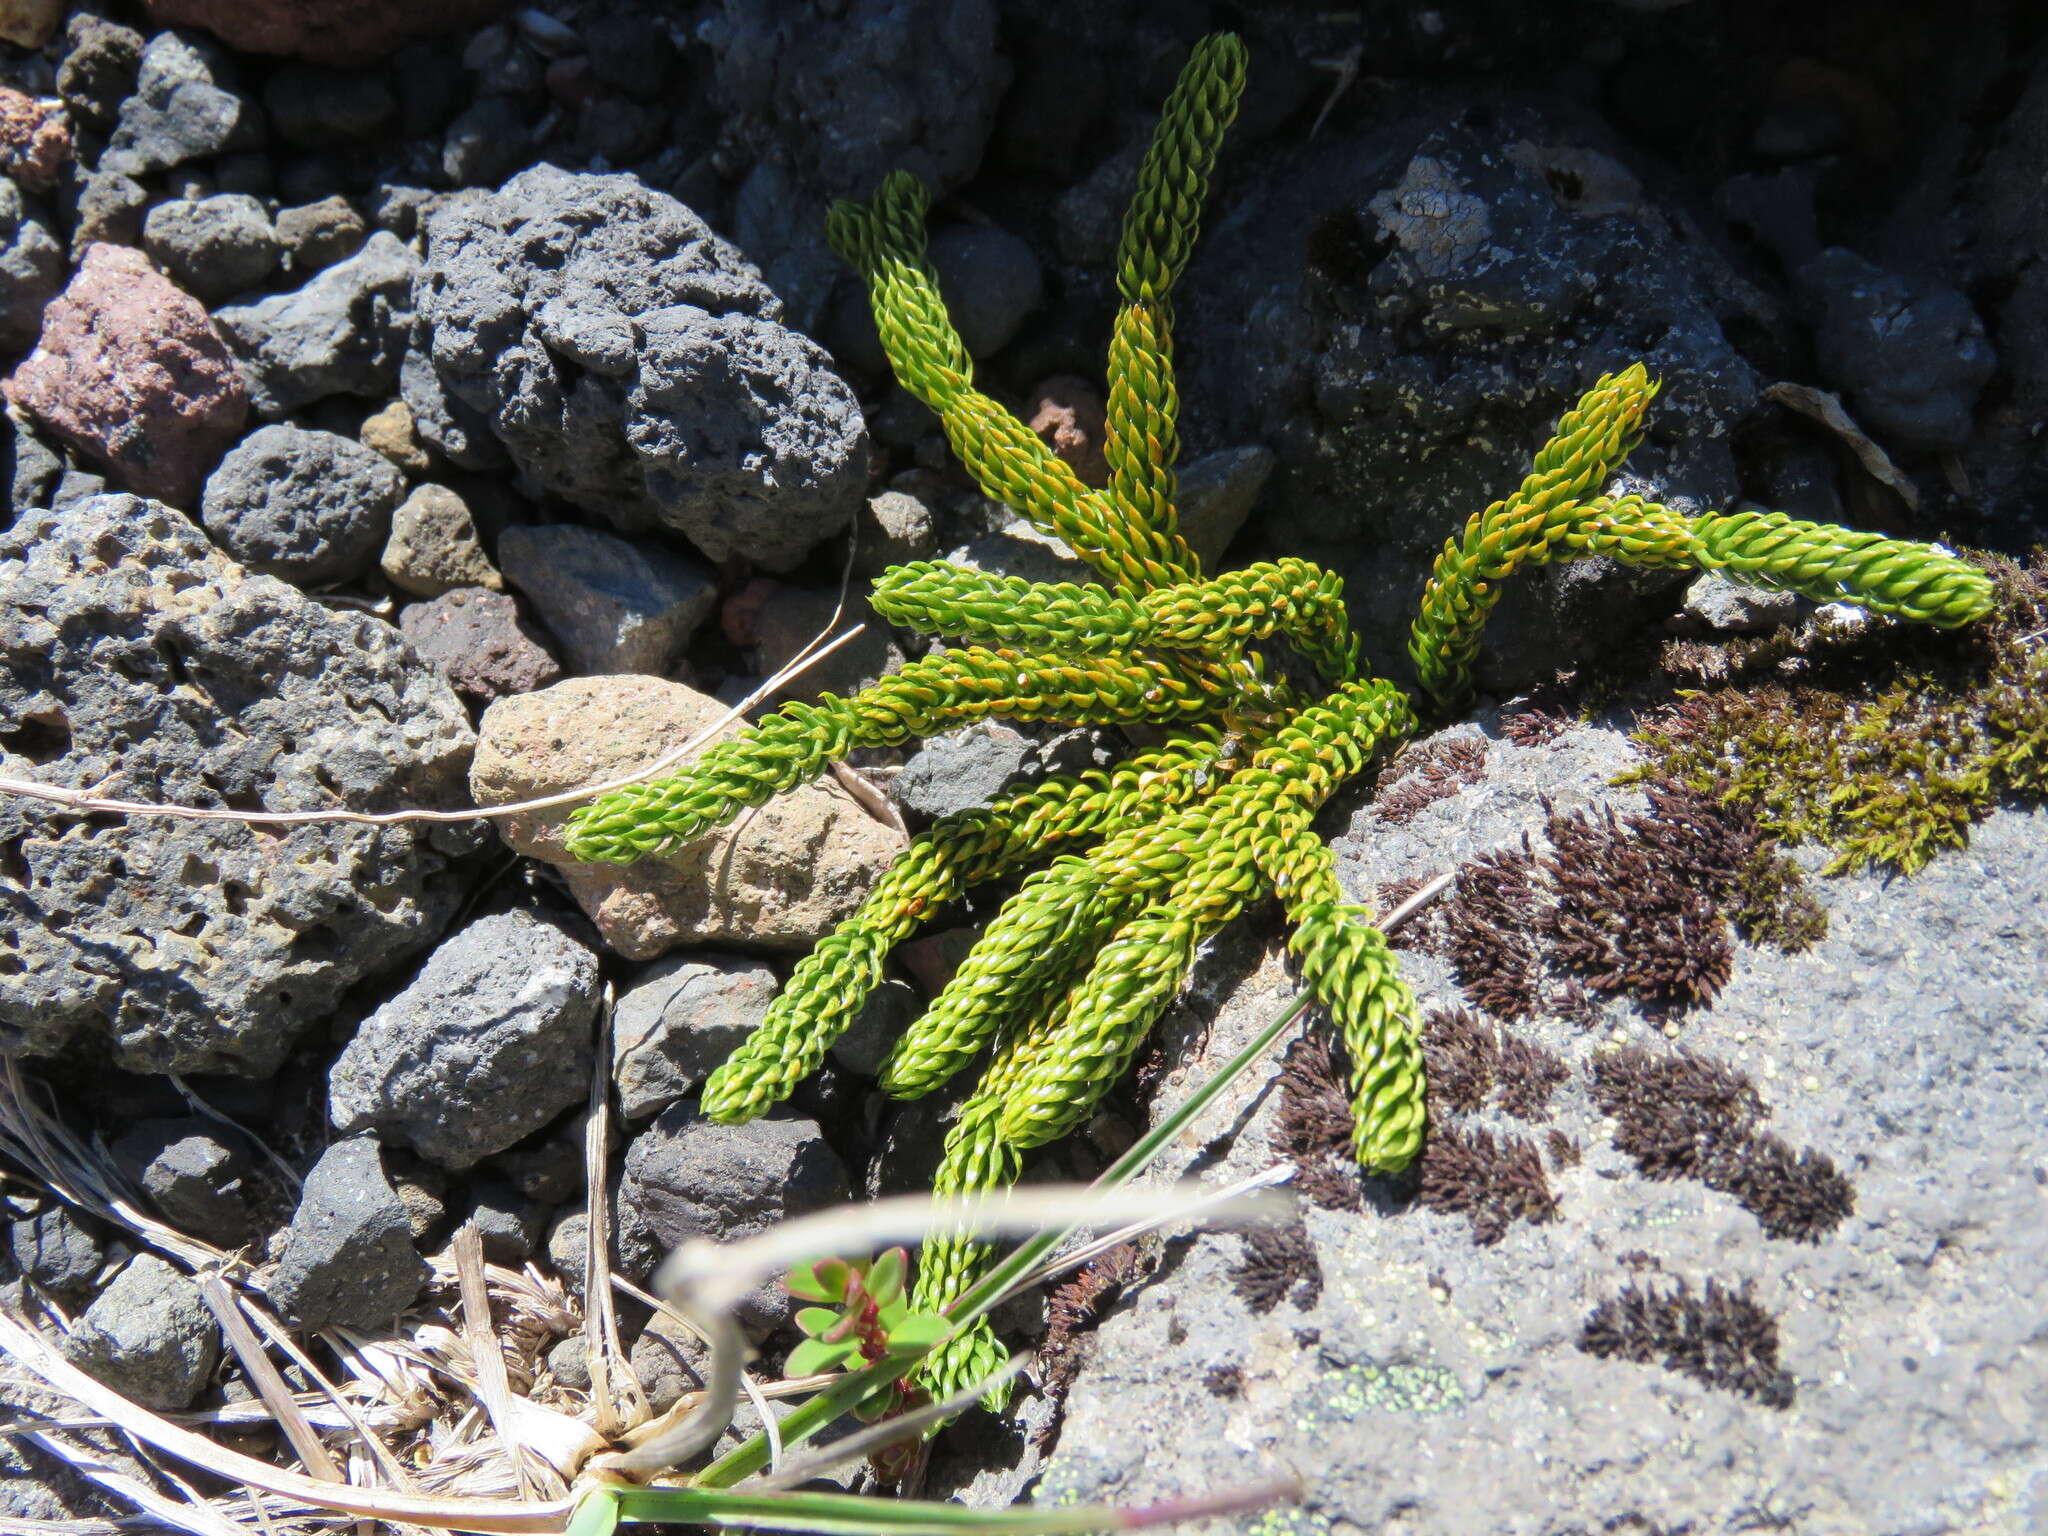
846	1514
596	1514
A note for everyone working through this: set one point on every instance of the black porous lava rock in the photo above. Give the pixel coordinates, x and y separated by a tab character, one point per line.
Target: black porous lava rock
138	660
632	363
184	108
308	507
1402	312
212	247
343	333
32	270
149	1336
487	1044
349	1255
196	1175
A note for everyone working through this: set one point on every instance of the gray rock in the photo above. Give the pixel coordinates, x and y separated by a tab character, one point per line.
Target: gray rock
616	605
489	1042
35	1484
669	1362
747	440
569	1249
914	88
310	106
791	618
308	507
639	373
569	1363
29	467
486	142
149	1336
349	1257
137	658
183	109
890	1009
549	1171
108	208
511	1224
1216	496
433	546
423	1190
98	72
343	333
57	1251
678	1020
688	1177
630	53
1735	607
319	234
32	270
195	1176
1912	357
1906	1045
990	281
1087	216
212	247
480	643
75	485
1403	312
962	768
895	529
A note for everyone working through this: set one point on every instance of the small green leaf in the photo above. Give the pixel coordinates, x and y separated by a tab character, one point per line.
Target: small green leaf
803	1281
815	1355
918	1333
885	1276
816	1321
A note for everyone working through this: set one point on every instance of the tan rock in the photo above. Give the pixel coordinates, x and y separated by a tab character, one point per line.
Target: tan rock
30	23
778	880
390	432
433	546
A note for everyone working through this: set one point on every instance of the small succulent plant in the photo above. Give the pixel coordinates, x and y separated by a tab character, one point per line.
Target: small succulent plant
1254	676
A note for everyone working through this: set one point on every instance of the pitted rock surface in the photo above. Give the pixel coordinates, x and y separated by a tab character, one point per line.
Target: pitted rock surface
487	1044
137	660
130	372
632	363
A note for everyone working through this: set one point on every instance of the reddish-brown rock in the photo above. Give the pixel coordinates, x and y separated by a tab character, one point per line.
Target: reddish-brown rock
339	32
35	139
1068	413
131	373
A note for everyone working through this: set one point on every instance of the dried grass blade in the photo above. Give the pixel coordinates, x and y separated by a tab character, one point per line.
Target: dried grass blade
199	1519
492	1517
269	1384
493	1386
373	1444
605	1352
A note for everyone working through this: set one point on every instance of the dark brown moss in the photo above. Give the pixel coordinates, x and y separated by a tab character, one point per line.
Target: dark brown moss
1719	1337
1492	1182
1687	1116
1460	1053
1224	1380
1528	1075
1636	908
1565	1152
1077	1304
1279	1262
1314	1126
1424	774
1489	927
